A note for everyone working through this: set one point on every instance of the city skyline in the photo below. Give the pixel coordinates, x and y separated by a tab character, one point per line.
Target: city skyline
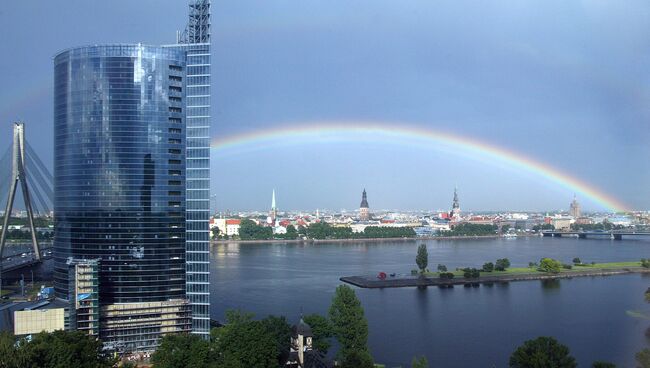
546	89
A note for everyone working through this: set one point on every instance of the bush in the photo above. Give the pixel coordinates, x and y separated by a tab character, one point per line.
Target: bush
542	352
442	268
502	264
567	266
576	261
471	273
446	275
645	262
414	272
532	264
488	267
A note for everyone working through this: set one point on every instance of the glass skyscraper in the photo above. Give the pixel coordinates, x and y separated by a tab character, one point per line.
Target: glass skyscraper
132	182
120	185
195	42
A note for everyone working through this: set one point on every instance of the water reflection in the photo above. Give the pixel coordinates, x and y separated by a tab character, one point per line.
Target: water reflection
550	284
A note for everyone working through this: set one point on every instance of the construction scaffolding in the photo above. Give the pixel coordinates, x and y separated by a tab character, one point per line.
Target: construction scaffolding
198	26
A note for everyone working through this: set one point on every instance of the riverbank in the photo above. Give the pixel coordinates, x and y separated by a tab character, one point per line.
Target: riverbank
309	241
517	274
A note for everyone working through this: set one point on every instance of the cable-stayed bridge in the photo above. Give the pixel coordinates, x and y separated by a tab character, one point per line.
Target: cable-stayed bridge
21	167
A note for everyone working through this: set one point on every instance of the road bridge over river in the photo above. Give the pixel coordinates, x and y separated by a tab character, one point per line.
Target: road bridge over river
615	234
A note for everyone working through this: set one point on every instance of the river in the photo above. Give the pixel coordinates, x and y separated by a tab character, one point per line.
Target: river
599	318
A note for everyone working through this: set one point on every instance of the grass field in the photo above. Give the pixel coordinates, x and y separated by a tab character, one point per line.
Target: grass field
533	270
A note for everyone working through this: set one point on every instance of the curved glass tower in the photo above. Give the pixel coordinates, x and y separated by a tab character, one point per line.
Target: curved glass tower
120	145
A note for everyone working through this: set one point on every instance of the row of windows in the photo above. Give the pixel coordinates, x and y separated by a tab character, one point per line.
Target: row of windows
198	132
198	80
198	90
198	184
197	205
198	174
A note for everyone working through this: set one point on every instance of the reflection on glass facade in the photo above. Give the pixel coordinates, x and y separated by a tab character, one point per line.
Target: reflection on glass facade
119	123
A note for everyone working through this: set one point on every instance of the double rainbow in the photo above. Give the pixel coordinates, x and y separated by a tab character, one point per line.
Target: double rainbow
398	132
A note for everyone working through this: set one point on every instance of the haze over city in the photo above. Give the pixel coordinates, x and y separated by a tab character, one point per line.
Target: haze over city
562	83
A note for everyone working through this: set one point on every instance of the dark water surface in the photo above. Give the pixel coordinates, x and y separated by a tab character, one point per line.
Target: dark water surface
599	318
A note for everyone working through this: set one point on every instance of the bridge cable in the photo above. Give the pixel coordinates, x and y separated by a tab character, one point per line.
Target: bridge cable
42	166
44	206
47	190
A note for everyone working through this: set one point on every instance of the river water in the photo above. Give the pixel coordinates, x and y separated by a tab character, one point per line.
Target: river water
599	318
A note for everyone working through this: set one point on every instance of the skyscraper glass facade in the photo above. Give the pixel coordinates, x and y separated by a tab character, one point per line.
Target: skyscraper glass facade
195	42
120	176
198	183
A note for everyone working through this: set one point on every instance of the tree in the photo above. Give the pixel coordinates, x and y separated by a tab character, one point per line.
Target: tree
349	324
249	230
357	359
446	275
577	261
292	233
214	232
600	364
544	352
645	263
9	351
501	264
422	258
321	328
488	267
442	268
280	329
471	273
183	350
643	358
420	362
233	343
64	349
550	265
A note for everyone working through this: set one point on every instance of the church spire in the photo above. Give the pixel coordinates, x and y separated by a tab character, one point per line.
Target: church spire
364	199
273	200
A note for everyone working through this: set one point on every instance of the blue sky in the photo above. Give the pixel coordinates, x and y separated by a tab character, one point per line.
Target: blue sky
566	83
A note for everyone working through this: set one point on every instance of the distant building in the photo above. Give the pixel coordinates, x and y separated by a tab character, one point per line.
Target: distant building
232	227
28	318
364	210
574	208
454	215
561	223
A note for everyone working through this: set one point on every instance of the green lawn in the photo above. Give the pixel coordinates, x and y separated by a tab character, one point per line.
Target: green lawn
527	270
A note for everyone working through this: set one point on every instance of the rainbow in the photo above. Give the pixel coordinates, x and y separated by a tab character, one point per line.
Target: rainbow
356	131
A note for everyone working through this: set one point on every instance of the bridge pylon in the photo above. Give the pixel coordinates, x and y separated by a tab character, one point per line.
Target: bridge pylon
19	174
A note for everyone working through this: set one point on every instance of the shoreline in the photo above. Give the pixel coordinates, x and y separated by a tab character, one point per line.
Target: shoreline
378	240
370	282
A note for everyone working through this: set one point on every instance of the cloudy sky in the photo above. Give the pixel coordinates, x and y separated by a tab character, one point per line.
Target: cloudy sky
565	83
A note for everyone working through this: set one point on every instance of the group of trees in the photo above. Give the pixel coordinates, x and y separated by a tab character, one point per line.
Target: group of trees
244	342
55	349
543	227
501	264
466	229
322	230
249	230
